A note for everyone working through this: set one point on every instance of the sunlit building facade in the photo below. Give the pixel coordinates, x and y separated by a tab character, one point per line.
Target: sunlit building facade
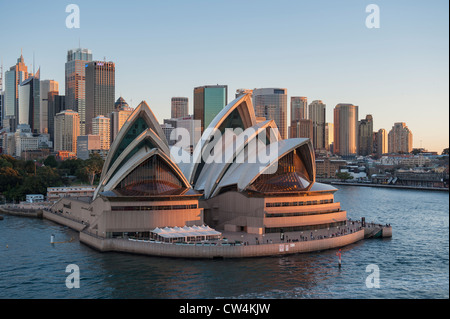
345	129
400	139
75	82
101	126
67	129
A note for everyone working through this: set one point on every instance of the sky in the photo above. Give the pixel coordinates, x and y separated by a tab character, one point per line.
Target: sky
323	50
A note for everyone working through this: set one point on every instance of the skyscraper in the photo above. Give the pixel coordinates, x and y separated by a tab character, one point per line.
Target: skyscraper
28	111
400	139
75	82
209	100
365	136
101	126
179	107
271	103
46	86
345	129
100	91
16	75
317	114
56	104
67	129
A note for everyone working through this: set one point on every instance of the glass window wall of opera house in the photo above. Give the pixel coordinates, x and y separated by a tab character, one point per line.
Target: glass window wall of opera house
144	189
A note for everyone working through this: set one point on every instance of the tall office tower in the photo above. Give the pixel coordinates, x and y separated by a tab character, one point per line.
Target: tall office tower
67	129
329	136
46	87
16	75
100	91
365	136
119	116
209	100
29	111
301	128
75	78
55	104
400	139
101	126
345	129
317	114
380	142
271	103
179	107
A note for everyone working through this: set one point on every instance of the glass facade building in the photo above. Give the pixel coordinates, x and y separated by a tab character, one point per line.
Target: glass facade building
209	100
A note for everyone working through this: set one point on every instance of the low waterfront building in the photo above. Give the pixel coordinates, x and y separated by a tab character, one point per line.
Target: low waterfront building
55	193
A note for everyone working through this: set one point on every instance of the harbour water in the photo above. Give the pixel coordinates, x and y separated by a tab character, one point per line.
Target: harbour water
414	263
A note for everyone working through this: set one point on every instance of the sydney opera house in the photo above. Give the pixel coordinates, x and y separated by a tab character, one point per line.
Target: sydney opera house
241	181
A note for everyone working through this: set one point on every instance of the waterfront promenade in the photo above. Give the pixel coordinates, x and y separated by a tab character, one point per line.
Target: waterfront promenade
232	244
441	189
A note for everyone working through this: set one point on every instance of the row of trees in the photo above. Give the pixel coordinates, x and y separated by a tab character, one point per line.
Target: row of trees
19	178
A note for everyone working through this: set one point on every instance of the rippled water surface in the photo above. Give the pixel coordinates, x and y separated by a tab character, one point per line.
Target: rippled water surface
414	263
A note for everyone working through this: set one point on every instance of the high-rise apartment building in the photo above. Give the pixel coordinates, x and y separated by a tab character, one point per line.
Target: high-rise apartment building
209	100
179	107
400	139
67	129
101	126
100	91
46	86
75	78
271	103
345	129
13	78
365	136
29	110
317	114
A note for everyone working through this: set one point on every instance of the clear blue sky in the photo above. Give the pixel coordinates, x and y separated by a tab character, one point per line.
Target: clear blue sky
319	49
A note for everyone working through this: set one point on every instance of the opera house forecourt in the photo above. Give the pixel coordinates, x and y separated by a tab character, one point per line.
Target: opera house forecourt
243	192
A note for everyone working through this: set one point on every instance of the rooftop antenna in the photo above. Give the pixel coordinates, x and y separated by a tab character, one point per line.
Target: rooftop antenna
33	64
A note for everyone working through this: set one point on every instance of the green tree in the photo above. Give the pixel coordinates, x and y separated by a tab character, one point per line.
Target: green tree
93	167
51	161
343	176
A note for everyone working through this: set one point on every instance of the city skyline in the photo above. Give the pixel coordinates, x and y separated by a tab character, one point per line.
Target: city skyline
393	73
